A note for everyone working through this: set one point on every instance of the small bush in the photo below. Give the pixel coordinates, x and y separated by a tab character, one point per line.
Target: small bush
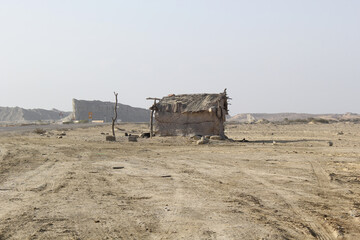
39	131
298	121
318	120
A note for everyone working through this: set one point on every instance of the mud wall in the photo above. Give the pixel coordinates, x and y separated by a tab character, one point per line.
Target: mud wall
202	123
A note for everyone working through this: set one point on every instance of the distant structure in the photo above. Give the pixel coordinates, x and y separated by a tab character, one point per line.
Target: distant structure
191	114
104	111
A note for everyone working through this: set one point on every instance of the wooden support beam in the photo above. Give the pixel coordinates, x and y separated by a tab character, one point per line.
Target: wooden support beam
151	123
151	98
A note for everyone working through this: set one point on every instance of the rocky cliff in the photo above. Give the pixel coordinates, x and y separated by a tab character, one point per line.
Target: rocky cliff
17	114
105	111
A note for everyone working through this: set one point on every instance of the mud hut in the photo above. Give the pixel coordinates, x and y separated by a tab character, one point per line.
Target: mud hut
191	114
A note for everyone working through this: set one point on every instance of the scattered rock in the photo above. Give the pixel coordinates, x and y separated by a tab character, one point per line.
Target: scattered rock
354	213
330	143
195	137
216	137
145	135
110	138
39	188
166	176
203	140
133	138
59	137
332	176
62	134
348	191
118	167
340	133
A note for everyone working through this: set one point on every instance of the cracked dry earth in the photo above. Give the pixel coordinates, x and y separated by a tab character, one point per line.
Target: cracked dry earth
286	183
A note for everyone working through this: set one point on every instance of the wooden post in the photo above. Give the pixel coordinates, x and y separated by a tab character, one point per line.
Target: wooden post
152	121
152	108
115	111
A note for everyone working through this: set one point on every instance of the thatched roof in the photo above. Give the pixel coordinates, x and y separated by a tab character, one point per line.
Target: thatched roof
191	102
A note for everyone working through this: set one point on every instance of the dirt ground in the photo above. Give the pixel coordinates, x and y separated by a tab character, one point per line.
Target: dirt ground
286	183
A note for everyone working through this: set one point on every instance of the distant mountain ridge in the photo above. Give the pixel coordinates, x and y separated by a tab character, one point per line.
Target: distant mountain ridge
131	114
276	117
18	115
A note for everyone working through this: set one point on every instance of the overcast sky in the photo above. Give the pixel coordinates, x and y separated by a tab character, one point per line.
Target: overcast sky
272	56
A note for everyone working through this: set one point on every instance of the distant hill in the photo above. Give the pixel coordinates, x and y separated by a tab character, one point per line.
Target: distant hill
18	115
276	117
105	111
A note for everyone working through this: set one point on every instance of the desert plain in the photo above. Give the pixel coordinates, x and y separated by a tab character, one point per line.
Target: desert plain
294	181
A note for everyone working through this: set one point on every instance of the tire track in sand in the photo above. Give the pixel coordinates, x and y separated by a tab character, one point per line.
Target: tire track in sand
315	228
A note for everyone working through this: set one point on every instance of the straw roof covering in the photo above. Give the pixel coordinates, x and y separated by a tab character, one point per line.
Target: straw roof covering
186	103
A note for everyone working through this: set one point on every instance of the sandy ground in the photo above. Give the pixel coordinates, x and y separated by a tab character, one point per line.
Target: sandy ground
82	187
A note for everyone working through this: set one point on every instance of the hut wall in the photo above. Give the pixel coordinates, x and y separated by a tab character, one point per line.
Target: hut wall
199	123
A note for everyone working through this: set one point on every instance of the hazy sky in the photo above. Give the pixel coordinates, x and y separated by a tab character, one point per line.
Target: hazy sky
272	56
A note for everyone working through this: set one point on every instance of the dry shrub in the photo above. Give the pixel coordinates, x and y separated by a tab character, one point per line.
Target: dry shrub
39	131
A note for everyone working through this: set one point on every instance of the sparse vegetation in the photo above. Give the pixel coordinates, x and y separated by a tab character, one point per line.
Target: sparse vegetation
318	120
293	121
39	131
304	121
355	120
